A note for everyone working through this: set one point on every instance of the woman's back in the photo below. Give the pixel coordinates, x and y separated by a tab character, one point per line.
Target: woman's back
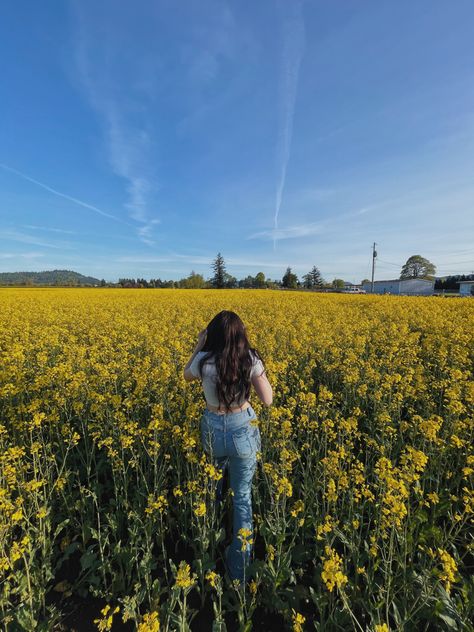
209	377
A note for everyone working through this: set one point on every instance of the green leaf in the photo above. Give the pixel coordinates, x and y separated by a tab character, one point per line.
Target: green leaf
450	622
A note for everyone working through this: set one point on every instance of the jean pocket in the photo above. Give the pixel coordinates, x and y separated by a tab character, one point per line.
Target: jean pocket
242	442
256	439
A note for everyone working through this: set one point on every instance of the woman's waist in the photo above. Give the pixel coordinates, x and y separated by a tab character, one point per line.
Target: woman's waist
221	411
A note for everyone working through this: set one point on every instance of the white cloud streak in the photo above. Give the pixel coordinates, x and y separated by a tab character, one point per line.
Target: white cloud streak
14	235
293	47
49	228
59	193
291	232
128	142
22	255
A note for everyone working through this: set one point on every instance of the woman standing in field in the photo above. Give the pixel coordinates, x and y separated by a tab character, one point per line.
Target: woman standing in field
227	366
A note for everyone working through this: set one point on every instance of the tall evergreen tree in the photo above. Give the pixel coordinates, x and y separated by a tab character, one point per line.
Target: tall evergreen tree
313	278
316	278
219	278
289	279
307	280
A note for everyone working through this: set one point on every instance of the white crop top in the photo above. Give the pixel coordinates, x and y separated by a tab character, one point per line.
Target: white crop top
209	376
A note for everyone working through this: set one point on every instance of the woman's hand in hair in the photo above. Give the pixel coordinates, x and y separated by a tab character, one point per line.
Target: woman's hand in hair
201	339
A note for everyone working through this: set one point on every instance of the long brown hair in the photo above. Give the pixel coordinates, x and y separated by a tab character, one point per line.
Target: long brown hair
227	344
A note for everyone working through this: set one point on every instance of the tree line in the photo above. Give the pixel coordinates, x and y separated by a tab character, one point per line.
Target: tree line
415	267
222	279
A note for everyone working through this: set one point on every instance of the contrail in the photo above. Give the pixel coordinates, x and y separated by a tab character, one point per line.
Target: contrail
63	195
293	46
101	79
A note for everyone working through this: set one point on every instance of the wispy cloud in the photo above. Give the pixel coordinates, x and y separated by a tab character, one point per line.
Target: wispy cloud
14	235
21	255
49	228
292	53
290	232
59	193
211	41
215	50
118	93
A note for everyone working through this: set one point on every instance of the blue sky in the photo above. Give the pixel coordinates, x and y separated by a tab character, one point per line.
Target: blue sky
140	139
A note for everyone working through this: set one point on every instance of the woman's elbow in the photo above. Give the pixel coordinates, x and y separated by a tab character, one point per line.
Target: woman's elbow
188	376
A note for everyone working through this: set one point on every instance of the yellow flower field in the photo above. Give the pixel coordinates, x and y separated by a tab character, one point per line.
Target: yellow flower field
363	495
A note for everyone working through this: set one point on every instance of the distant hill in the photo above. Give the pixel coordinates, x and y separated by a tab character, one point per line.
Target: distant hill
48	277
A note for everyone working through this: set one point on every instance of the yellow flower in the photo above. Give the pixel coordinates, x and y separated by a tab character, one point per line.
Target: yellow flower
42	513
332	574
298	620
213	473
448	573
156	505
105	623
183	576
4	564
297	508
330	492
200	509
17	515
149	623
271	552
212	577
433	496
284	487
244	535
381	627
328	525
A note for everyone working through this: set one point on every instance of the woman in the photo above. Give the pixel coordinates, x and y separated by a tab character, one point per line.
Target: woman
227	366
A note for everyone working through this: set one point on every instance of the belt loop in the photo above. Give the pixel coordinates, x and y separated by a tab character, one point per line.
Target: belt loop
248	412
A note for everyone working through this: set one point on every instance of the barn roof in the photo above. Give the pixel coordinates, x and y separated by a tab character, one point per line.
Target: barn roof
397	280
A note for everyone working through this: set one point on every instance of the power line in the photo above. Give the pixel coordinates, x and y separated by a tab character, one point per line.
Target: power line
397	265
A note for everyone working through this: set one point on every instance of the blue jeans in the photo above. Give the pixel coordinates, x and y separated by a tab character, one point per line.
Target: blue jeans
230	440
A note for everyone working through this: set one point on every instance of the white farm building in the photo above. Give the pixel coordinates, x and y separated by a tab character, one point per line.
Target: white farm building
406	287
466	288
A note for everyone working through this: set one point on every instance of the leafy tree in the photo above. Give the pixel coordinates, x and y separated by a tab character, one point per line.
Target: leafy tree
365	281
219	278
417	267
193	281
229	281
248	282
260	280
338	283
289	279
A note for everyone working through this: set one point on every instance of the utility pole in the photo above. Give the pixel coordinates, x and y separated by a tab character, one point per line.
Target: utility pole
374	254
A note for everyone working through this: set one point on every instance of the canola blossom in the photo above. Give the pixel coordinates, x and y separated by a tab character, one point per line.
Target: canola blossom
363	496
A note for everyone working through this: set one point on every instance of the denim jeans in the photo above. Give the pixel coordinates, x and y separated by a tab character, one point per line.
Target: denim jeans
231	441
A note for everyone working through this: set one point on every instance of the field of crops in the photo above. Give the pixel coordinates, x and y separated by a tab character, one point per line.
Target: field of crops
363	497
